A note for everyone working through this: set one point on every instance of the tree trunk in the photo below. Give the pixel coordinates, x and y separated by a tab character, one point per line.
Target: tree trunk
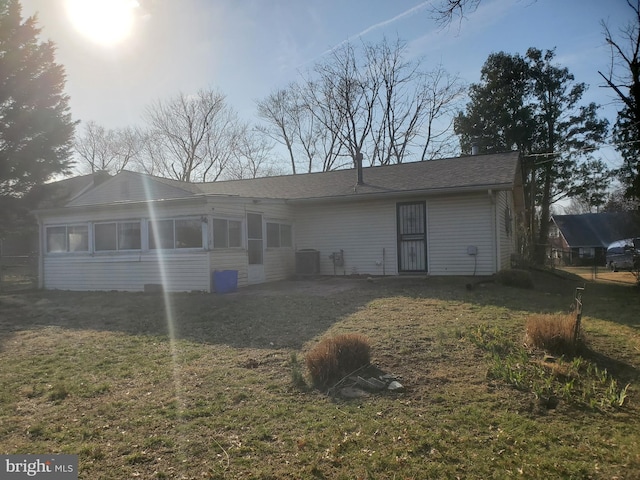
545	211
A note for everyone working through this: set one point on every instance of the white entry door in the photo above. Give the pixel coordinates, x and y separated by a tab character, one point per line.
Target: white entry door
255	248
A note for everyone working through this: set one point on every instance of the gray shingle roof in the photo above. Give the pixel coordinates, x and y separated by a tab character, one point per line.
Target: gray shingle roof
451	175
495	170
598	229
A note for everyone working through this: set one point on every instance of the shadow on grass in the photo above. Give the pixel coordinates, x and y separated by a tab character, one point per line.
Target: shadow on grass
622	370
243	320
281	316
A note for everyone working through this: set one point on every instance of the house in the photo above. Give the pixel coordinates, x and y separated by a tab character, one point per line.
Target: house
584	238
451	216
23	240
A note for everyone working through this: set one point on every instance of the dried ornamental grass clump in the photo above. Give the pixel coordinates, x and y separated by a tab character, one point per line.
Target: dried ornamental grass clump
553	333
335	357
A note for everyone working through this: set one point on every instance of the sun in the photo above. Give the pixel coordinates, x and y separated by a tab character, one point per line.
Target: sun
106	22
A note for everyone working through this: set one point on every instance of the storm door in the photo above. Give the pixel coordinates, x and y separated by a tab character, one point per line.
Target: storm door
255	248
412	237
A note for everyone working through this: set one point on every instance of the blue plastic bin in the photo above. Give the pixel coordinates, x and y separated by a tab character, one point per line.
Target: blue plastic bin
225	281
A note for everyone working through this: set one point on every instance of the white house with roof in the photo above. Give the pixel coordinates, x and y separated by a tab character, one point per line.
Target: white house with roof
452	216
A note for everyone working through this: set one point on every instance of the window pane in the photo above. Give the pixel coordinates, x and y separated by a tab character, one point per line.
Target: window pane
285	236
129	236
220	233
56	239
235	233
161	234
189	233
78	238
255	252
273	235
105	234
254	225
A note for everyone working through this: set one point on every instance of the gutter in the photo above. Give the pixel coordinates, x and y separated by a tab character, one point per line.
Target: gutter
100	206
404	193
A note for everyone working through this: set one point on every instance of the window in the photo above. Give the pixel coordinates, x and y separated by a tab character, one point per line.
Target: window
278	235
169	234
188	233
116	236
161	234
71	238
286	238
226	233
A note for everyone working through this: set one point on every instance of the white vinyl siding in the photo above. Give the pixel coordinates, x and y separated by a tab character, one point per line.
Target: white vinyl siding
127	272
454	224
506	234
365	231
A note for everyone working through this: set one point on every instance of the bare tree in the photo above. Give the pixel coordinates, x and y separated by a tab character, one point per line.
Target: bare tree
415	107
289	120
280	111
253	157
194	136
342	99
624	70
576	206
623	77
372	102
111	150
445	10
442	93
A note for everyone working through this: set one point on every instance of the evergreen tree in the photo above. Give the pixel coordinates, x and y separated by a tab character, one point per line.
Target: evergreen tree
36	129
565	132
498	118
532	104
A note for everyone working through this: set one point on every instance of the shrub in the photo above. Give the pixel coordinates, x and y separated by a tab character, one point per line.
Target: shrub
553	333
515	278
335	357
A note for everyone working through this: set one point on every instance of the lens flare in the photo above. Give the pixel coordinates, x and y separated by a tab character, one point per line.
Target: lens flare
106	22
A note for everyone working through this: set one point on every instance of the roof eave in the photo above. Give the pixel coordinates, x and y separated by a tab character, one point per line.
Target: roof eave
405	193
99	206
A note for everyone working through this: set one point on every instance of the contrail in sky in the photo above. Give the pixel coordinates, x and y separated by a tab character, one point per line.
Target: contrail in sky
384	23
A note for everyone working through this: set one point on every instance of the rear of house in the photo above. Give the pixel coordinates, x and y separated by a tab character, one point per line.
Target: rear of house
443	217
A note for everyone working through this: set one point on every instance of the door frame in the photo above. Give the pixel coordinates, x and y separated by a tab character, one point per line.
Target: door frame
411	237
255	271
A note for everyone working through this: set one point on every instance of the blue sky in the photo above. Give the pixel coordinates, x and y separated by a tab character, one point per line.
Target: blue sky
248	48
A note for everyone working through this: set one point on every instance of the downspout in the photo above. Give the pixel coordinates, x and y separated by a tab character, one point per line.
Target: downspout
496	237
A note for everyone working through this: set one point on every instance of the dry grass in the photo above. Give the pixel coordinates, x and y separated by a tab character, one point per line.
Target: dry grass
103	376
555	333
334	357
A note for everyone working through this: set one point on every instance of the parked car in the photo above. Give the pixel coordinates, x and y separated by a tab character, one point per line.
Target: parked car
623	254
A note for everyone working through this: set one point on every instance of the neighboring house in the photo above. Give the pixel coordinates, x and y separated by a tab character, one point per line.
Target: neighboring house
441	217
585	237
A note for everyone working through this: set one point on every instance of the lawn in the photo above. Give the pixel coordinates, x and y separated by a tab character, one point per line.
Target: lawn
200	386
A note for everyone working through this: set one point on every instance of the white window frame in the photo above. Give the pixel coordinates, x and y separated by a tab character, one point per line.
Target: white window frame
174	247
227	220
280	225
117	223
66	239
